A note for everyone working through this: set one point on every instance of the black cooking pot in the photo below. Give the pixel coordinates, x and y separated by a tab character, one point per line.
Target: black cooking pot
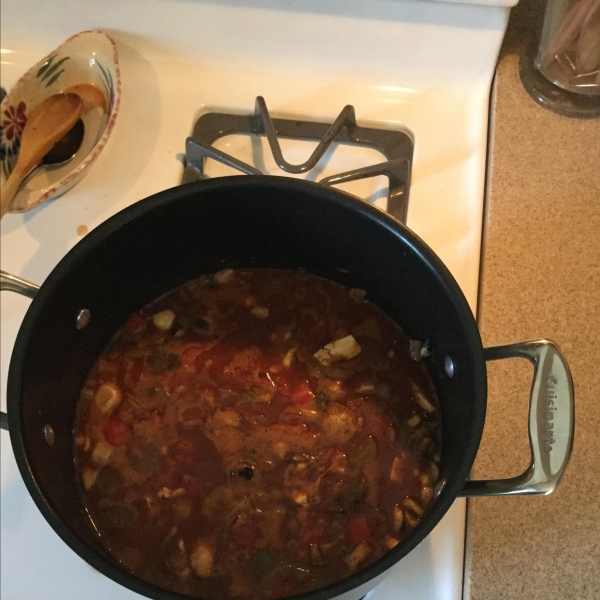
161	242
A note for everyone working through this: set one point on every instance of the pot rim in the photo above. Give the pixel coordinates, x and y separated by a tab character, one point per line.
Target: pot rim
368	211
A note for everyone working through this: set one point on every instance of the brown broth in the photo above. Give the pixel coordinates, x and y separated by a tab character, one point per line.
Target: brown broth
220	458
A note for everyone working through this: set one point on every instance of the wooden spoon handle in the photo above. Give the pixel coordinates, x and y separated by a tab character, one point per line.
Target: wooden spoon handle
9	189
90	94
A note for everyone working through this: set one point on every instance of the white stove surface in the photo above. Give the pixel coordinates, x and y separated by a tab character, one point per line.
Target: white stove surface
421	66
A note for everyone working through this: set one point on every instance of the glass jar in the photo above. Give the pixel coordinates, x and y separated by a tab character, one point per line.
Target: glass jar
561	68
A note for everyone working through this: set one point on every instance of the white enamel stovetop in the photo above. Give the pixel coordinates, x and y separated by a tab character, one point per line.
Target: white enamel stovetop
422	66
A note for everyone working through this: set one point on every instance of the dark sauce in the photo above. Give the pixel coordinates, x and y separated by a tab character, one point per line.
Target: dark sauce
256	434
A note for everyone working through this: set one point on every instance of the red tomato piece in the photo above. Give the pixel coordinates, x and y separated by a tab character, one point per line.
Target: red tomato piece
133	368
375	424
218	356
196	413
190	352
106	368
135	324
360	531
185	449
194	489
301	393
184	376
303	552
314	532
200	361
156	418
245	536
116	432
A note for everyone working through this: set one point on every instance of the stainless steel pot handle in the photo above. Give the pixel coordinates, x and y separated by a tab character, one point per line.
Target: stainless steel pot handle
551	422
12	283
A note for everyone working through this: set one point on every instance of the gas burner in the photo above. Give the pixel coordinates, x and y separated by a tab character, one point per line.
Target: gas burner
396	146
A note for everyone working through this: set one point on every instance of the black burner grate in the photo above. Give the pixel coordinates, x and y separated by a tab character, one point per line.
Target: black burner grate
397	146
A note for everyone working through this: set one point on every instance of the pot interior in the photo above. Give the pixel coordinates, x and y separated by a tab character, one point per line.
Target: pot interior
260	222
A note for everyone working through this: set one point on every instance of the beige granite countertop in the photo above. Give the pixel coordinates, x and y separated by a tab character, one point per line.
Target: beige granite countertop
540	278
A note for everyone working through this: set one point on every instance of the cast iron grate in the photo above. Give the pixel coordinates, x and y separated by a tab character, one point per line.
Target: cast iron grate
397	147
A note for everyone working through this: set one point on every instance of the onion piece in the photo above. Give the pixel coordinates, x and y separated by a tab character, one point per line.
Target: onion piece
413	506
421	399
260	312
107	397
397	519
289	357
223	276
357	555
202	559
89	476
344	348
397	471
164	319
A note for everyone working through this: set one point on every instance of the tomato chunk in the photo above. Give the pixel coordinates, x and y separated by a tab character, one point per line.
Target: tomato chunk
360	531
375	424
245	536
185	449
133	368
190	353
314	532
196	413
116	432
302	394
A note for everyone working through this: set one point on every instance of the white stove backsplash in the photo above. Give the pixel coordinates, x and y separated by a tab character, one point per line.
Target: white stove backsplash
421	66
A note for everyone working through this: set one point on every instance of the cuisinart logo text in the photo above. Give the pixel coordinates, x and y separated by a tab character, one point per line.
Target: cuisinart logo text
550	409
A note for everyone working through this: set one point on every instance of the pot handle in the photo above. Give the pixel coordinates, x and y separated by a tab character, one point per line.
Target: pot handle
13	283
551	422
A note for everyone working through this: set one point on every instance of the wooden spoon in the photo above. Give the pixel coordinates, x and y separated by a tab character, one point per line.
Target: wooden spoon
92	96
48	122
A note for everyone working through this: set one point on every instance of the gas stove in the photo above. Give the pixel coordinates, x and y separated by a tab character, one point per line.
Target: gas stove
417	75
340	142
